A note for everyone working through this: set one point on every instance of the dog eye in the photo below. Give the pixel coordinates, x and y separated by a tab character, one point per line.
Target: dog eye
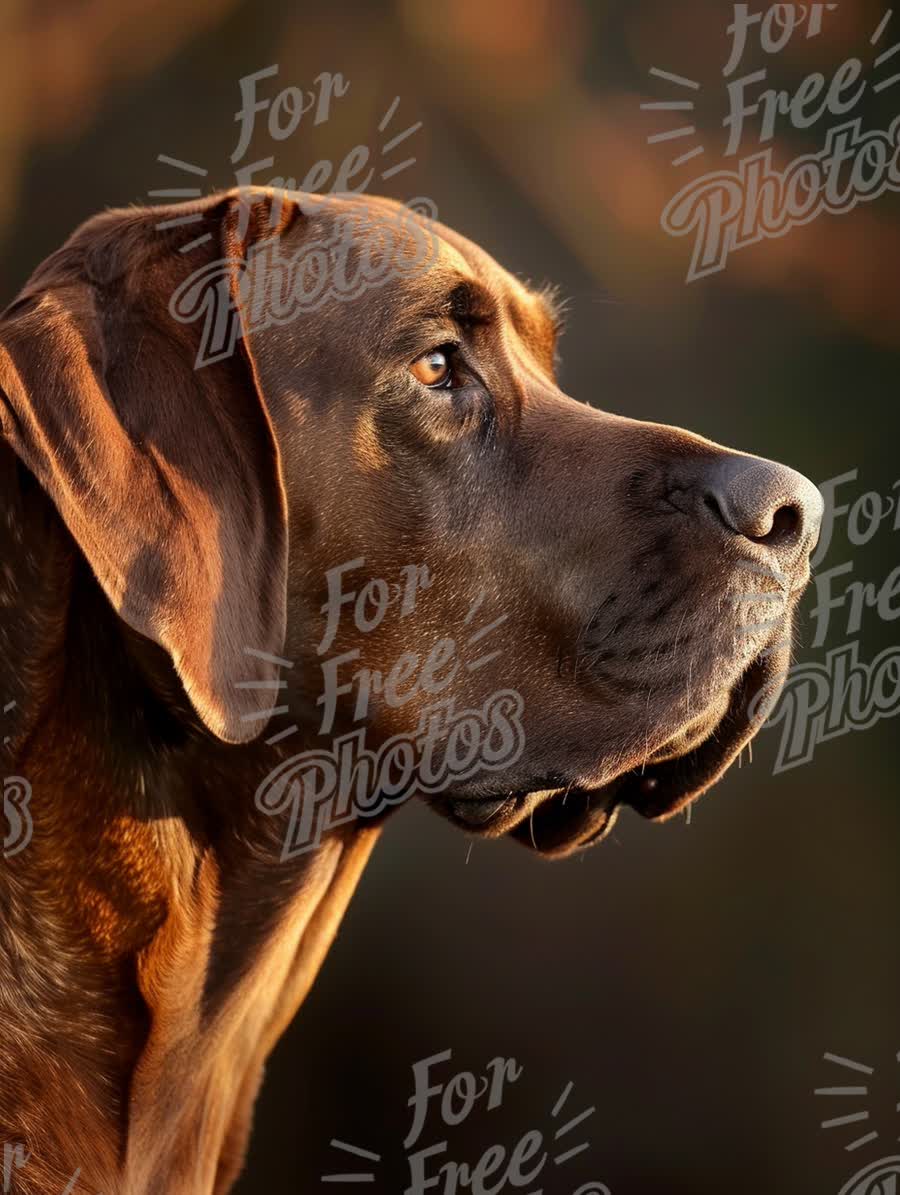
435	369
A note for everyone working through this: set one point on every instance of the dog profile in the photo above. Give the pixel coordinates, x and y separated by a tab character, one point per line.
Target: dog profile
170	533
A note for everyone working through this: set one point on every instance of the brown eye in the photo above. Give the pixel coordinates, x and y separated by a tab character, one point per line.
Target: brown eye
434	369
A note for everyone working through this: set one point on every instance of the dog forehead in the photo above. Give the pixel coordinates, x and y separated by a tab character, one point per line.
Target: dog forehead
447	258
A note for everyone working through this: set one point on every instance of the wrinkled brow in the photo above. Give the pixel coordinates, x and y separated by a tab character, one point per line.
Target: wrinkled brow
466	303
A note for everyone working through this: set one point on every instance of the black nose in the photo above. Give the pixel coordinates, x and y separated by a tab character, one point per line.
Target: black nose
764	502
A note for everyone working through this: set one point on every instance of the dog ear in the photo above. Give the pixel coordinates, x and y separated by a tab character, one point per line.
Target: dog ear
167	476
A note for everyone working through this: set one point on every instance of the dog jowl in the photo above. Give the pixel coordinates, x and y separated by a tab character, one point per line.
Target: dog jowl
639	581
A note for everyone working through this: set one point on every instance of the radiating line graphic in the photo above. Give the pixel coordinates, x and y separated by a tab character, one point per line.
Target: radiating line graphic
668	106
678	105
268	657
561	1159
389	115
847	1091
282	734
395	141
475	607
886	83
692	153
261	714
357	1152
885	21
7	709
672	134
849	1064
179	221
488	629
680	80
179	165
176	193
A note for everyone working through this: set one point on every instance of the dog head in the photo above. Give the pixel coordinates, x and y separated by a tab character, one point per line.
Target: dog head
330	435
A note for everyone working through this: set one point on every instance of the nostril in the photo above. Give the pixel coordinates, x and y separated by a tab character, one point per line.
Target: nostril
787	523
712	504
761	501
783	528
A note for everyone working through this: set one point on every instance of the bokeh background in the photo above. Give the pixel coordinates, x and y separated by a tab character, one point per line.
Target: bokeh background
688	979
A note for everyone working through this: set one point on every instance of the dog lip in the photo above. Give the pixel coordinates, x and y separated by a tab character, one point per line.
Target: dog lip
477	812
556	827
659	791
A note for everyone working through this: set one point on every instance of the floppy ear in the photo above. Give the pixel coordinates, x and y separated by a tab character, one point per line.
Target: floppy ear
168	477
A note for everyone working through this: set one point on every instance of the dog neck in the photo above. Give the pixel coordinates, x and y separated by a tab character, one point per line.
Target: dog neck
153	946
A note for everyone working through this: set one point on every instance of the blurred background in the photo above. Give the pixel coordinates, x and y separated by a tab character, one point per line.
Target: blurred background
686	979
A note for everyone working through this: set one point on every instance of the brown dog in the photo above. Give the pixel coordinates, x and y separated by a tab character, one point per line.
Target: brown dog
172	532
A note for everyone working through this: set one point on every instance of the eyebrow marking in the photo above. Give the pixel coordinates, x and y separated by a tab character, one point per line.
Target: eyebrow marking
469	303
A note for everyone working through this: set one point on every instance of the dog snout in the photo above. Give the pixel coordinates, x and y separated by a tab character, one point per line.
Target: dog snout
764	502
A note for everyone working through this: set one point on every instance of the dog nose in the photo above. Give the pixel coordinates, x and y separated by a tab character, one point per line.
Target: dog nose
765	502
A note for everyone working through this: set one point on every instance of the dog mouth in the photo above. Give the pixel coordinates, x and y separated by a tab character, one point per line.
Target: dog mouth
562	819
